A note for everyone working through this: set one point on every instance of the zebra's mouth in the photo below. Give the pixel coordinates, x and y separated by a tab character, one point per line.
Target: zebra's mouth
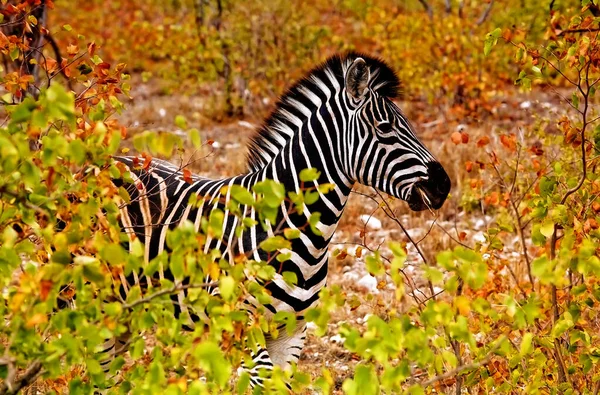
430	193
418	199
423	197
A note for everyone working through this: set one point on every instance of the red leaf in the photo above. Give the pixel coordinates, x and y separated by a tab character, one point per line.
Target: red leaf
187	176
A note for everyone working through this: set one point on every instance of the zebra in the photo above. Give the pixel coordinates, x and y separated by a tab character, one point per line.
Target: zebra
340	119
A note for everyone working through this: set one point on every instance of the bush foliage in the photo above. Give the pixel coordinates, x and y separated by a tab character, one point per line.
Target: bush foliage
500	324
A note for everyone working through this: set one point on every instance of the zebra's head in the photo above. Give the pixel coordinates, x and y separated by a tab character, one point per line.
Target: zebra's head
383	149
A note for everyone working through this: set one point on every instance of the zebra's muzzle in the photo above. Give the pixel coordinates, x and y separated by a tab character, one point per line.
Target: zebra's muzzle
432	192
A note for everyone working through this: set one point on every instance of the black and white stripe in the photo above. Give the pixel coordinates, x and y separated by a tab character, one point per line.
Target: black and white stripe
339	119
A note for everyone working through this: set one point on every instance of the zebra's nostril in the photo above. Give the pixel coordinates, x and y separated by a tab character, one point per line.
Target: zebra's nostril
439	182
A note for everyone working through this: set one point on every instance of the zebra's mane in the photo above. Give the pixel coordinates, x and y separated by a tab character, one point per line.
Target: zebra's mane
279	127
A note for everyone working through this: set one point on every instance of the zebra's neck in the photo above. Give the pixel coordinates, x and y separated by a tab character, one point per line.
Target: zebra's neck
316	140
318	92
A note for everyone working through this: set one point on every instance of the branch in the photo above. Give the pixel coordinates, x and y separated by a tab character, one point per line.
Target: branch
594	9
462	368
167	291
390	213
427	7
31	374
589	30
486	13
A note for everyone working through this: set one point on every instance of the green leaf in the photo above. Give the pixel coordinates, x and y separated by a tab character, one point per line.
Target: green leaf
310	174
227	286
290	278
177	266
313	221
547	228
526	345
365	382
491	39
215	223
180	122
575	100
212	360
288	318
241	195
291	234
273	192
374	264
275	243
195	138
14	54
93	366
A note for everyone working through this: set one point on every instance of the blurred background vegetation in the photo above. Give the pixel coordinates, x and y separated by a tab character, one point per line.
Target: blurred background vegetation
244	53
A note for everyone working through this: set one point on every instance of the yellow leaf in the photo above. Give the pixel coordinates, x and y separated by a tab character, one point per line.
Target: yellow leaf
36	319
214	270
463	305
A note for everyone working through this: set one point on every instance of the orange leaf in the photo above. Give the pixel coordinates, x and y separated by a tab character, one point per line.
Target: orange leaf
91	48
72	50
147	160
468	166
45	287
36	319
456	138
509	142
590	224
482	142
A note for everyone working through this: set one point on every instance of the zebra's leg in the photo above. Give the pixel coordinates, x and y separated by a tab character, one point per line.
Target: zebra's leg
286	349
283	352
261	361
111	349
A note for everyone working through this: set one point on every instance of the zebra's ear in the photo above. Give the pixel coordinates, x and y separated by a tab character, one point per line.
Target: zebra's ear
357	79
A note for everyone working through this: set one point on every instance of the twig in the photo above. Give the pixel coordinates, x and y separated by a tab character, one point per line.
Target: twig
167	291
485	14
390	213
31	374
427	7
462	368
596	29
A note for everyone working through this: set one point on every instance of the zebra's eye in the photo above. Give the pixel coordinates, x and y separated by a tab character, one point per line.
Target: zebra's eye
384	127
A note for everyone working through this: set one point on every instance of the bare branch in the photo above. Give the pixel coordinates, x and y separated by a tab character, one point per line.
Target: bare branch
167	291
463	368
427	7
588	30
31	374
486	13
